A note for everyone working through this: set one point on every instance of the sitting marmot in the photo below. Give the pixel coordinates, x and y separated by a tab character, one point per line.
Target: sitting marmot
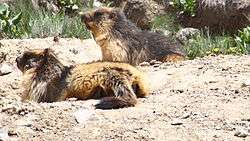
45	79
120	40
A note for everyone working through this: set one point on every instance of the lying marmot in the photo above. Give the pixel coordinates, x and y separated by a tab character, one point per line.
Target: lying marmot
46	79
120	40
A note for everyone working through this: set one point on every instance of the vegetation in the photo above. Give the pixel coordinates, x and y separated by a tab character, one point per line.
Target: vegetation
9	23
33	23
69	4
243	39
185	6
205	44
165	22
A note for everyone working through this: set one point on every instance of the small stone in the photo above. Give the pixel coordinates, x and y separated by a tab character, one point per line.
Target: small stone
144	64
82	115
246	119
154	62
163	67
72	99
241	134
156	65
3	134
180	91
5	69
218	128
185	116
168	33
24	122
246	83
12	132
212	81
97	4
176	122
14	85
201	67
9	109
187	33
74	51
216	136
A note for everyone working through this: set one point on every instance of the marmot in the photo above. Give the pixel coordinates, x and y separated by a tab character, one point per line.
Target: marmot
46	79
120	39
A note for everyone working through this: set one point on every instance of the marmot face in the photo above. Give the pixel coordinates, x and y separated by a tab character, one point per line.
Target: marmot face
100	20
32	60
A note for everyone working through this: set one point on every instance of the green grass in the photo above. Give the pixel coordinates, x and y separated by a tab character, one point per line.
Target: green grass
165	22
205	44
39	23
185	6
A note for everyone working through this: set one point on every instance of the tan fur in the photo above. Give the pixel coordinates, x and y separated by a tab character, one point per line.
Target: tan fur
172	58
119	83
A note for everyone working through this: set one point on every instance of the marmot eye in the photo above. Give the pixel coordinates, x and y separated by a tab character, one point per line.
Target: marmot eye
97	14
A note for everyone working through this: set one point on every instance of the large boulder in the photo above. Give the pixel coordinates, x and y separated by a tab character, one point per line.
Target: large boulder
219	15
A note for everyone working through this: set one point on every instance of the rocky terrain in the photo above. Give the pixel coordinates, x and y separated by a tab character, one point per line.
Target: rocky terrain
206	99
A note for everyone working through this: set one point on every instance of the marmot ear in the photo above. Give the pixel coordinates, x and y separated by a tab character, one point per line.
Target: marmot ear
46	51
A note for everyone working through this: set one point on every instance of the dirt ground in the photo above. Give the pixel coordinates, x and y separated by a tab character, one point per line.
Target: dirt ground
204	99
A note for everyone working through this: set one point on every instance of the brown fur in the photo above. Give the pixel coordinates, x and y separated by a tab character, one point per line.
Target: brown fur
120	40
45	79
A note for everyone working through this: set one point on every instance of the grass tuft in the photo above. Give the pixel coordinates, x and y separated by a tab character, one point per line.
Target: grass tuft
40	23
205	44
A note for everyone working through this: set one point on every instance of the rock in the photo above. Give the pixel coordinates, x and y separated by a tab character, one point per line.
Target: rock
156	65
241	134
176	122
155	62
97	4
3	134
144	64
5	69
9	109
167	33
12	132
72	99
82	115
217	136
187	33
217	15
246	119
74	51
185	116
14	85
246	83
24	122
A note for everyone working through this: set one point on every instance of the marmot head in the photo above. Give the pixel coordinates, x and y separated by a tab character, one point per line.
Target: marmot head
100	20
33	59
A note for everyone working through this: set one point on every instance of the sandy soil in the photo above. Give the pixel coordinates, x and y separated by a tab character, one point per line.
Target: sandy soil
205	99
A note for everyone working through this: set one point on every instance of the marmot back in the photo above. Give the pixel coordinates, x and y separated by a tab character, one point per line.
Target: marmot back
120	40
47	80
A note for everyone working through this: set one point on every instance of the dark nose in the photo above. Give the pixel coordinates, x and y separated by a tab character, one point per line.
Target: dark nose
18	59
85	17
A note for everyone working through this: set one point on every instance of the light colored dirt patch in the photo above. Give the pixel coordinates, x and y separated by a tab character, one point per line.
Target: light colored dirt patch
204	97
